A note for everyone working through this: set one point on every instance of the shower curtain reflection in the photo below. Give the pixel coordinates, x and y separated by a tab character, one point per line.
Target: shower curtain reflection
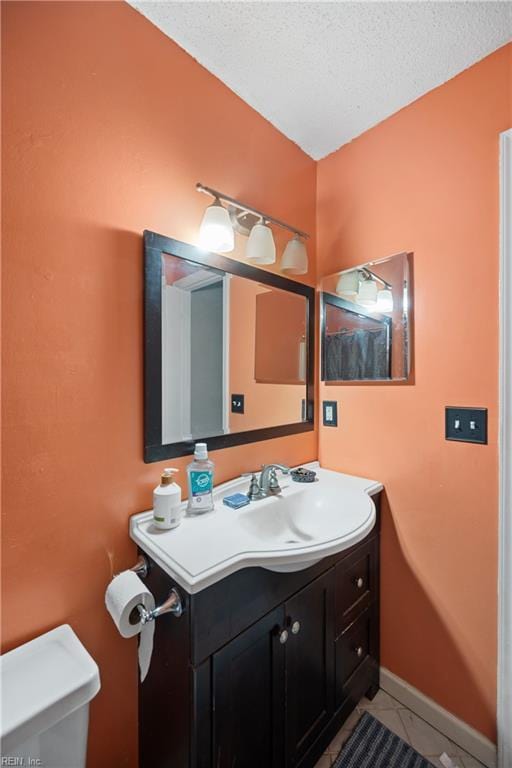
357	354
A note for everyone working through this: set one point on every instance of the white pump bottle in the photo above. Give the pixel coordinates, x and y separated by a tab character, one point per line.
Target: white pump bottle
167	512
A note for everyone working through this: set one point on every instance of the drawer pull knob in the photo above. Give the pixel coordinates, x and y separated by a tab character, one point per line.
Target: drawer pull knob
359	583
283	636
295	627
359	651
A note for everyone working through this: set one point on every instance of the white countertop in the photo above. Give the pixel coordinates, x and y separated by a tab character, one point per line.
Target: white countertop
294	530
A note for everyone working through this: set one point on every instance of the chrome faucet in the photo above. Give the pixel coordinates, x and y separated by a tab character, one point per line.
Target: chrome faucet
268	484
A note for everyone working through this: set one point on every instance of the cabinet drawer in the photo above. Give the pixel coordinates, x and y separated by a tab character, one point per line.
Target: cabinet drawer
355	584
353	647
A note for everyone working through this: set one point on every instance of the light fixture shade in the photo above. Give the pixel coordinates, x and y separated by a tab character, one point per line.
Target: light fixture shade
367	295
348	284
261	248
385	301
295	257
216	230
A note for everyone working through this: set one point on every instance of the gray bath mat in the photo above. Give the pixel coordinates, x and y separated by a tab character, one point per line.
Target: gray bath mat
372	745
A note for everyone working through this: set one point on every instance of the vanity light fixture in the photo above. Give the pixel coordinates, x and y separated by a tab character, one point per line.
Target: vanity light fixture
367	294
384	301
216	230
360	285
218	227
261	248
295	257
348	284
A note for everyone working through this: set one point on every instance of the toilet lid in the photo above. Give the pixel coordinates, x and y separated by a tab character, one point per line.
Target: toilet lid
42	682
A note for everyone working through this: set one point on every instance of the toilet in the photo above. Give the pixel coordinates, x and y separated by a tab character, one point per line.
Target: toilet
46	687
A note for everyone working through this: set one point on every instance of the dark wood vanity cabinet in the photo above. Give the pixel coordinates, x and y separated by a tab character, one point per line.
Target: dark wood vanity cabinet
263	667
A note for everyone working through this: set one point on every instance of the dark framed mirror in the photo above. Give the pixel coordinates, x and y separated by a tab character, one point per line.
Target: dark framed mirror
366	322
228	351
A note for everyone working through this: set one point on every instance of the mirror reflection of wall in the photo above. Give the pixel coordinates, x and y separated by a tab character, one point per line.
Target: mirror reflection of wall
224	334
280	354
366	322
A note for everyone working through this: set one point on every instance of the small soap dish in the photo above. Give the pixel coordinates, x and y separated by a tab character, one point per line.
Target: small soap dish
303	475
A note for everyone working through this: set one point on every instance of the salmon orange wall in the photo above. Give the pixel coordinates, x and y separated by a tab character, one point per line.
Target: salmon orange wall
108	125
426	180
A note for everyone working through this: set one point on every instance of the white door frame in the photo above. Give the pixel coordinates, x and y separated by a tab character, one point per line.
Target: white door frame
505	460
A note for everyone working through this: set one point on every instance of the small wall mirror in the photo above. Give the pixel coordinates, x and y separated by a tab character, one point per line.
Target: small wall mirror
366	322
228	351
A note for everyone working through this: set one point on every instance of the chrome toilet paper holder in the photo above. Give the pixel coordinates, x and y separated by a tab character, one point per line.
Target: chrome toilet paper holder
173	604
141	567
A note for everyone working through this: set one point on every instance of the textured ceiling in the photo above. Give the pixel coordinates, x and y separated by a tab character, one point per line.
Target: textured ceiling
324	72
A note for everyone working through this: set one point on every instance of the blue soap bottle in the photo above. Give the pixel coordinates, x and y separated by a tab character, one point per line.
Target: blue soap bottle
200	482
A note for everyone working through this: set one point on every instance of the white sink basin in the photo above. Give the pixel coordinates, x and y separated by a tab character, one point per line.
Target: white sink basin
288	532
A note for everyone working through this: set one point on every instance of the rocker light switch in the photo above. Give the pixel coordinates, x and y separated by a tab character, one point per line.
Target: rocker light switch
467	425
330	413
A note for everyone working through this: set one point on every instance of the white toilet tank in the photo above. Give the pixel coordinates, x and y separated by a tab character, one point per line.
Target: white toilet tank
46	686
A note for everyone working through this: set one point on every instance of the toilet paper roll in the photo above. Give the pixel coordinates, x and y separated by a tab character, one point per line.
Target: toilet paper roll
122	596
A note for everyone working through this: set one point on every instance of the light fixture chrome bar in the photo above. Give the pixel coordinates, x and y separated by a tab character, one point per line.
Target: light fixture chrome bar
244	208
369	272
376	277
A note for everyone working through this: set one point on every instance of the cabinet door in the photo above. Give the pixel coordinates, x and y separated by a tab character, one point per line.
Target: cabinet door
248	701
309	665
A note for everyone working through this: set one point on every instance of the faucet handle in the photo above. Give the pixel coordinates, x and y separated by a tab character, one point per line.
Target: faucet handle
272	487
273	482
254	487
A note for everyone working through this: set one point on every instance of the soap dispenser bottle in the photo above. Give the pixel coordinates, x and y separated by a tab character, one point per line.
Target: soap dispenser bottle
200	482
167	512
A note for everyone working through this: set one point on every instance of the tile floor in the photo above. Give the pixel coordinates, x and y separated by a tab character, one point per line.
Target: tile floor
411	728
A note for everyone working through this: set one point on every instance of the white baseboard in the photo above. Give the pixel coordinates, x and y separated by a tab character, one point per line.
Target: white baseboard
454	729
